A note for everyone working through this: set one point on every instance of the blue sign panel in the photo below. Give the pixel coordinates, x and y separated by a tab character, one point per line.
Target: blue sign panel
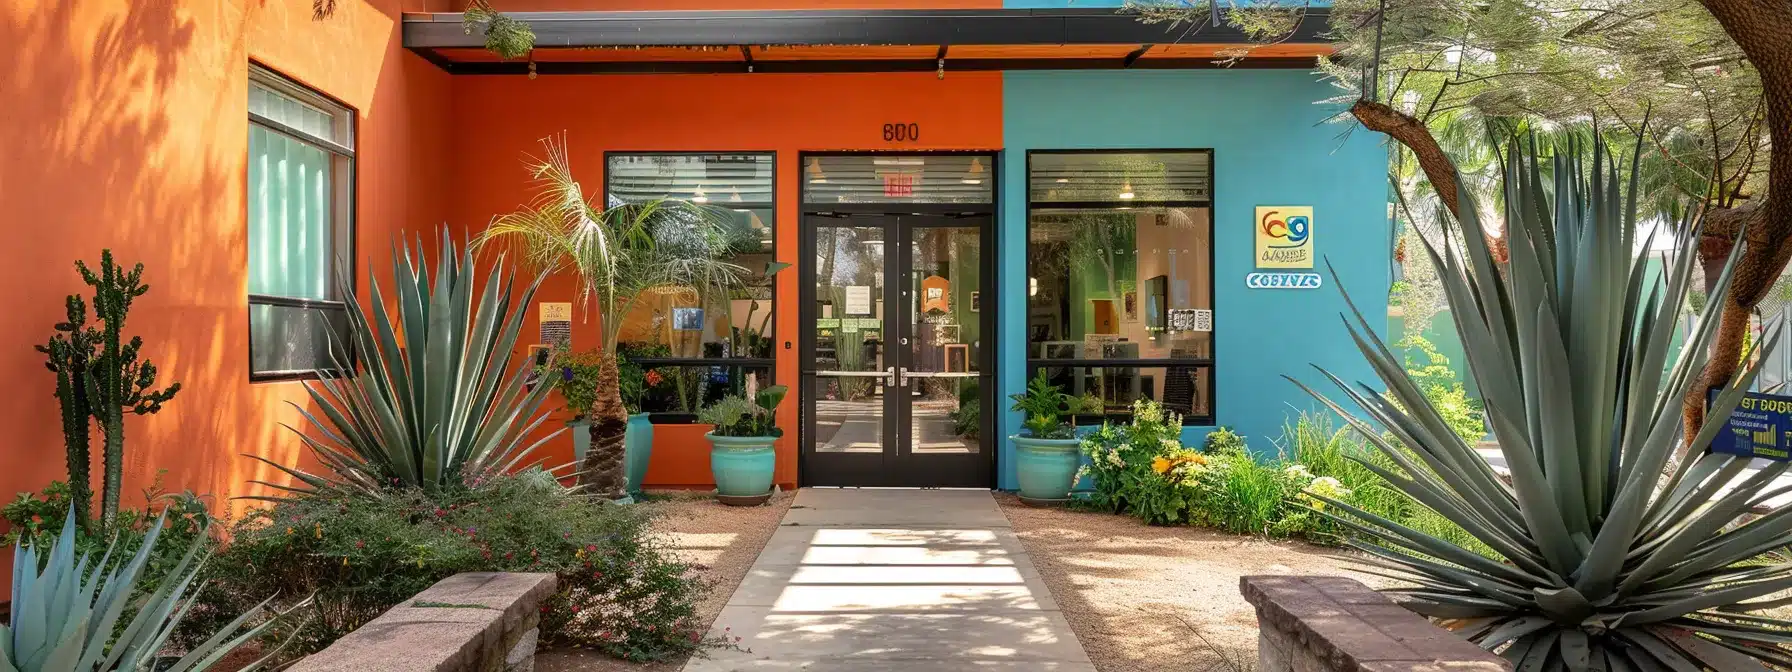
1760	427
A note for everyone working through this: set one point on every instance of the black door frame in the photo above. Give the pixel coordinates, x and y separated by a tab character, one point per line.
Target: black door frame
909	470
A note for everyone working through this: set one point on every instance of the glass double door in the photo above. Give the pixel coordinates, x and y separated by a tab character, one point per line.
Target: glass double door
895	369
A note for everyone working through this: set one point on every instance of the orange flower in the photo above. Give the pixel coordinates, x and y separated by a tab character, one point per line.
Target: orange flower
1160	465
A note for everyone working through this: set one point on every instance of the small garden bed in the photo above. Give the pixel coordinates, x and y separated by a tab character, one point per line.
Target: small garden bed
718	542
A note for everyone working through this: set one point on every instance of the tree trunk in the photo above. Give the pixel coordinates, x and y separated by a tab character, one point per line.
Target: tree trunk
1409	131
1760	28
602	472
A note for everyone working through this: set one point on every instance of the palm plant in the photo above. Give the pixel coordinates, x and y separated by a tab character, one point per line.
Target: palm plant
441	398
620	255
1608	563
66	616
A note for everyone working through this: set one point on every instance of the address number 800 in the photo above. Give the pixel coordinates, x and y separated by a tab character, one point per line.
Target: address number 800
902	132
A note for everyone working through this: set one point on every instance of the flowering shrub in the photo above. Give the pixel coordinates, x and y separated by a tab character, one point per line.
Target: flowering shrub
619	592
1120	457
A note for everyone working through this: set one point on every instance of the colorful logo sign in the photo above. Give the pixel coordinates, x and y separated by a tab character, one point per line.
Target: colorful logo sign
1284	236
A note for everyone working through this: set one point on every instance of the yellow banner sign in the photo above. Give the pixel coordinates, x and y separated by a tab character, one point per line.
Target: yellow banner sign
1284	236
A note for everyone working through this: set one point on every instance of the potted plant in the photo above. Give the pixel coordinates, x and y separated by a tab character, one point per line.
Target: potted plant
740	455
617	255
1046	455
576	375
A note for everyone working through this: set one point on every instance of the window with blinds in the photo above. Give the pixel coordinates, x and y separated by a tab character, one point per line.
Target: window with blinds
300	203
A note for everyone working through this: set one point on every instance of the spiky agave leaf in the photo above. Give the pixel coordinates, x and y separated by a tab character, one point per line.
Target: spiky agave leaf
440	397
1607	566
66	615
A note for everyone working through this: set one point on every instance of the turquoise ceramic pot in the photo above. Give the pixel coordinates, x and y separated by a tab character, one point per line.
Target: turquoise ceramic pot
1046	468
581	439
742	465
639	444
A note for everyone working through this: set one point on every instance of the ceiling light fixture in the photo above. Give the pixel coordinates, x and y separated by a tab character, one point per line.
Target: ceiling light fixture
699	197
815	174
1126	191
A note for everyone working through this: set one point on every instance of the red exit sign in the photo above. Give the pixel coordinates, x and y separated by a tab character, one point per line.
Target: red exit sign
898	185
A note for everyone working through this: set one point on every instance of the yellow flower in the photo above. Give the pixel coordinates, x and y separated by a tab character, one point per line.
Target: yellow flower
1160	465
320	530
289	531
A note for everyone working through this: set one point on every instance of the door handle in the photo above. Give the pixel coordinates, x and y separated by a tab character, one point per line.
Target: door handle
891	377
902	376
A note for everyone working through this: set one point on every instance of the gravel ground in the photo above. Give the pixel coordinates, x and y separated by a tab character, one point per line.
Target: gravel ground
1158	599
721	541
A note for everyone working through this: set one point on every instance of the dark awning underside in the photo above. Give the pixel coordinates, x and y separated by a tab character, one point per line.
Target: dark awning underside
856	41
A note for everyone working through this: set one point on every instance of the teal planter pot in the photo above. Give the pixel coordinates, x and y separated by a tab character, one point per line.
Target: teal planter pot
580	430
1045	468
742	465
639	444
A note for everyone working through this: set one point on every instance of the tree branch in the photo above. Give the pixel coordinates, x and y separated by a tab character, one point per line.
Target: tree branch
1412	133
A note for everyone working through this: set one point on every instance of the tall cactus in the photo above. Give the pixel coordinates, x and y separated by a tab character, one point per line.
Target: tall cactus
70	354
118	381
101	384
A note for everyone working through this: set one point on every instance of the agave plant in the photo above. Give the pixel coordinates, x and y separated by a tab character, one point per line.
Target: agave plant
440	398
620	255
67	616
1615	557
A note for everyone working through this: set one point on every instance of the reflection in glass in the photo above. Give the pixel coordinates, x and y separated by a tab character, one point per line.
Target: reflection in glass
737	189
1122	283
849	310
1184	389
943	296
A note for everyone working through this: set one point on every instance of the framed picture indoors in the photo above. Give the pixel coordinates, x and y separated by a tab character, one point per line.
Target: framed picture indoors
958	358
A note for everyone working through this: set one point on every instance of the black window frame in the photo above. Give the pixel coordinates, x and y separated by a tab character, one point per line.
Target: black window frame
738	364
1034	364
346	250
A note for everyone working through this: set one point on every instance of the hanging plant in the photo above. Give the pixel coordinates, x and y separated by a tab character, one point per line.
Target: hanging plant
504	36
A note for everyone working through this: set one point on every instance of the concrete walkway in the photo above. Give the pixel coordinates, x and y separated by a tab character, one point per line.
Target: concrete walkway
887	580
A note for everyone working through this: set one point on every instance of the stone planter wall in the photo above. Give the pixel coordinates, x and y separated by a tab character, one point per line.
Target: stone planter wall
472	622
1334	624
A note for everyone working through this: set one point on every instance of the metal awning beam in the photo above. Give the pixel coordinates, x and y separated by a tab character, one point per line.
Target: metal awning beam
862	66
854	27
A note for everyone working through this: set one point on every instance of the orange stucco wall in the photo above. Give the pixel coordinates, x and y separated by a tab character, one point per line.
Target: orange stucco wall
126	128
787	114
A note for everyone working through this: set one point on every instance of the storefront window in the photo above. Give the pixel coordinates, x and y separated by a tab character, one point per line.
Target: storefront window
1120	277
695	346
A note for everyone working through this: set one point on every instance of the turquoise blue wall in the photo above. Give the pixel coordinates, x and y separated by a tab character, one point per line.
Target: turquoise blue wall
1269	149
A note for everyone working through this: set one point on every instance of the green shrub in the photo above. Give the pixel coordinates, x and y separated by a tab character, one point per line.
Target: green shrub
37	520
1223	441
620	592
1444	389
1120	461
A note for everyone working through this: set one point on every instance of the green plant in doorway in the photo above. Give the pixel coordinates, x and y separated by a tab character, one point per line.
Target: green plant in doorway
100	377
1609	555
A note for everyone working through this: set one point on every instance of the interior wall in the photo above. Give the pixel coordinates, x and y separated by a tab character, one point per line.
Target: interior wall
786	114
1270	148
127	129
